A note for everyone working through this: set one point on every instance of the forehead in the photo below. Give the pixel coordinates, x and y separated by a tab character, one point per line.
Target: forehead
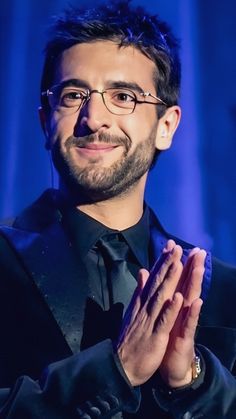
101	62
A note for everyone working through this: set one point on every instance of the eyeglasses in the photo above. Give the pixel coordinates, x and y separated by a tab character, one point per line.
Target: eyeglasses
118	101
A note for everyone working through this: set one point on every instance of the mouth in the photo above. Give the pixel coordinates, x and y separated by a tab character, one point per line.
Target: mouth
93	148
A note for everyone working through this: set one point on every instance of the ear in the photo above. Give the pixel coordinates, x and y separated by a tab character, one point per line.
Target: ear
167	126
43	122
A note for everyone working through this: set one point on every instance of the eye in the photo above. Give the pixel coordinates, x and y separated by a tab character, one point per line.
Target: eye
71	97
122	97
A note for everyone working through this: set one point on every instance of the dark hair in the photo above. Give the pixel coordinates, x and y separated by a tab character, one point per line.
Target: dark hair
125	25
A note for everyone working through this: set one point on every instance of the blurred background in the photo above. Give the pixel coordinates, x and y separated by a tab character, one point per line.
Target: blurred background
193	186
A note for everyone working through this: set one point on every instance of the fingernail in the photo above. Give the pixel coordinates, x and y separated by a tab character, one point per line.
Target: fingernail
169	246
194	250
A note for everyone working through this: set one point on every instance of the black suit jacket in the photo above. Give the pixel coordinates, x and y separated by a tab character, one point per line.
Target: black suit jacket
41	322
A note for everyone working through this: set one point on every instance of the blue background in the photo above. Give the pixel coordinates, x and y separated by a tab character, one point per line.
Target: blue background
193	186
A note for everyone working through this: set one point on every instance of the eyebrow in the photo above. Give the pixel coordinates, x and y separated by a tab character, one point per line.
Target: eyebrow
75	83
118	84
125	84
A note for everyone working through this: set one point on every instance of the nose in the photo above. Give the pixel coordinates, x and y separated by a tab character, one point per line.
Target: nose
93	115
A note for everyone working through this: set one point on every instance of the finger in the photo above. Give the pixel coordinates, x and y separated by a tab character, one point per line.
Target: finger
169	246
194	251
166	290
135	301
191	276
191	320
193	285
143	275
160	271
168	316
187	267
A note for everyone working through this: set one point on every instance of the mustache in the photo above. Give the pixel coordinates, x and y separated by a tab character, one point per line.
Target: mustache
98	138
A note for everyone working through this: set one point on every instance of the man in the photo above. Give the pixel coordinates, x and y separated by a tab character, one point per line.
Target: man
69	262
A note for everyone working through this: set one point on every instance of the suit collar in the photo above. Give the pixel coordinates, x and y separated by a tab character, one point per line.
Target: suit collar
85	232
38	231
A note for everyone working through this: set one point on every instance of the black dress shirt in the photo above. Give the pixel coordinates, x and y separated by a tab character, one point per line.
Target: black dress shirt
103	308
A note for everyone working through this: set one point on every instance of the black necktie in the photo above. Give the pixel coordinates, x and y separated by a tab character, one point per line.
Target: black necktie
121	282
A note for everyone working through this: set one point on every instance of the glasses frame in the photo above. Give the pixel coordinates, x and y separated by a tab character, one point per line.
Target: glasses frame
88	94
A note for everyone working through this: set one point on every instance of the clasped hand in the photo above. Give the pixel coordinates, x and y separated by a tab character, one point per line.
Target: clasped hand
160	323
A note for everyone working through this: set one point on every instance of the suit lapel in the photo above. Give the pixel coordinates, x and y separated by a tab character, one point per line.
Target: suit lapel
49	255
158	239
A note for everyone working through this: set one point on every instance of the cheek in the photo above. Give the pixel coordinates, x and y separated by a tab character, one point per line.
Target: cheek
140	124
60	128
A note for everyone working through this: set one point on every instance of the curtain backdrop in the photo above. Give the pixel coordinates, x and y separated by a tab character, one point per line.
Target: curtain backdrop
193	186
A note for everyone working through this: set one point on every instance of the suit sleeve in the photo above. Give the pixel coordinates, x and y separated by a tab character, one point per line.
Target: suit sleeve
85	385
212	396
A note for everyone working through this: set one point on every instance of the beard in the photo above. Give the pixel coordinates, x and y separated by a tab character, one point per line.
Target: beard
96	183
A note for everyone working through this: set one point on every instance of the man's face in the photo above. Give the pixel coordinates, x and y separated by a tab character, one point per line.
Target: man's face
94	150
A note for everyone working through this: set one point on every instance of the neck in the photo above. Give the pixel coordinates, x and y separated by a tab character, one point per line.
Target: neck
119	212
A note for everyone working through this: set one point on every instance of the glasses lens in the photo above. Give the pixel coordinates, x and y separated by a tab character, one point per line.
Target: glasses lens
120	101
66	98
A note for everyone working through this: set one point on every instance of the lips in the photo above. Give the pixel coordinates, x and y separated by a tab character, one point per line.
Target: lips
95	149
98	147
91	149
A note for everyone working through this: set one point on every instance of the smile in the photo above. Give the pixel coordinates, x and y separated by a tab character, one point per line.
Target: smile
96	148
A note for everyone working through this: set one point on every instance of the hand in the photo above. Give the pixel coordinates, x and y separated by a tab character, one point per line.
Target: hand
176	367
150	318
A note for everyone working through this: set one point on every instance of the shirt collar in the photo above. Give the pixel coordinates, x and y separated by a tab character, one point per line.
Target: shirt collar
85	231
138	237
